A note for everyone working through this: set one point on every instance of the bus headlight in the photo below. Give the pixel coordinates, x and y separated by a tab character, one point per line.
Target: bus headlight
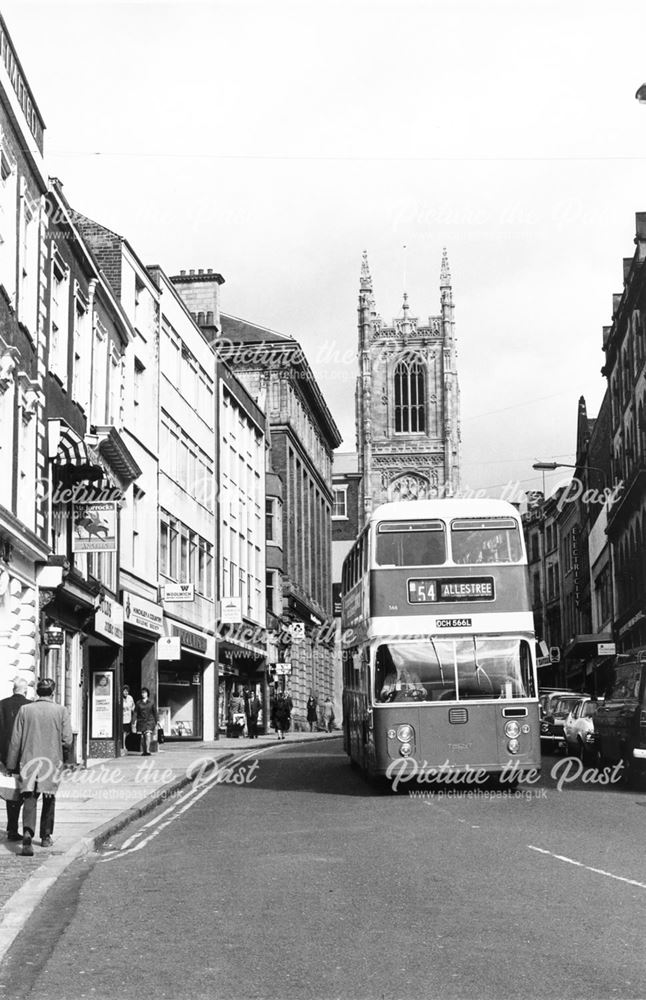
404	734
405	749
512	730
513	746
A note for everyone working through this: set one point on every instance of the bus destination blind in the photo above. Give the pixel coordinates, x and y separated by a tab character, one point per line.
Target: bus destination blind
433	591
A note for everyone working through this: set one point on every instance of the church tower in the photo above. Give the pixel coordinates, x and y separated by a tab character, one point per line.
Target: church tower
407	400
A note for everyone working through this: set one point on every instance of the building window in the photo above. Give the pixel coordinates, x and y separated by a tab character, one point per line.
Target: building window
273	523
138	382
59	320
340	502
137	522
272	591
410	397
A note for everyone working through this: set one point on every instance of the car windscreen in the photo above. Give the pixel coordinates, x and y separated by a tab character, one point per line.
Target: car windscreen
563	706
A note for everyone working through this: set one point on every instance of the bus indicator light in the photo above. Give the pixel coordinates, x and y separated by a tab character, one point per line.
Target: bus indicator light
513	746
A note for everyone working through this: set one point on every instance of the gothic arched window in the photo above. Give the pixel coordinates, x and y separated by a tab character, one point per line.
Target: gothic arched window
410	397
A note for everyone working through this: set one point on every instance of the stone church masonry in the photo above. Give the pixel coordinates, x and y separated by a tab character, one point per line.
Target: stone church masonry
407	400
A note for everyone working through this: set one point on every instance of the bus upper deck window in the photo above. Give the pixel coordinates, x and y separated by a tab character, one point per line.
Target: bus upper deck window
488	540
415	543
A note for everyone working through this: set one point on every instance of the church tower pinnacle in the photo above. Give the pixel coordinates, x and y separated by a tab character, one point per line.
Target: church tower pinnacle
407	399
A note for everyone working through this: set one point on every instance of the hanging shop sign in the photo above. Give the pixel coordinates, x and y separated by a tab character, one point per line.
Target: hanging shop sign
102	713
142	613
231	610
95	527
169	648
108	620
53	637
178	592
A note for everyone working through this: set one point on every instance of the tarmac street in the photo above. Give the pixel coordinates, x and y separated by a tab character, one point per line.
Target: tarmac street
285	875
93	804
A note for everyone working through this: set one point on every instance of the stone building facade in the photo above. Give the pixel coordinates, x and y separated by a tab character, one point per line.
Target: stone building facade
303	435
624	344
407	400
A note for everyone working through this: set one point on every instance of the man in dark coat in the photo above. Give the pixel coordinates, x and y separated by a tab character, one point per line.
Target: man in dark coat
41	730
252	710
146	720
8	712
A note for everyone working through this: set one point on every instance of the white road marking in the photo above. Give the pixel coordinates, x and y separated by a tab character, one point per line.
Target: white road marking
589	868
177	808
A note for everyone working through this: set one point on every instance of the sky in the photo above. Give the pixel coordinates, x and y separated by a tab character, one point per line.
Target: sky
275	141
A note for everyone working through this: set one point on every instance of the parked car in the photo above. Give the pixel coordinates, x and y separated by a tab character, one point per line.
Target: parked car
547	696
555	710
578	729
620	722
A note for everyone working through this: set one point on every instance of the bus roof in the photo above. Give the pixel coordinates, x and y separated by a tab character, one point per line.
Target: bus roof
446	508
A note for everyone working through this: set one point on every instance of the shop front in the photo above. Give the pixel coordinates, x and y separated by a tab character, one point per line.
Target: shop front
143	622
242	667
104	665
186	695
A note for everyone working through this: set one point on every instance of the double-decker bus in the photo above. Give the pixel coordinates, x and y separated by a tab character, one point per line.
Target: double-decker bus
439	661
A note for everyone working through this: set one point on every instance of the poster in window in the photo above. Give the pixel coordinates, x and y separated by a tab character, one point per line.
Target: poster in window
102	713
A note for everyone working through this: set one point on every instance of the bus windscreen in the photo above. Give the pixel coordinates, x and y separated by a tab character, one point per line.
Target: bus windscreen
477	540
414	543
488	667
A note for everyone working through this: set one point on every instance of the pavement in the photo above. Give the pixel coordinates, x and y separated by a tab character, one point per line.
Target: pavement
96	802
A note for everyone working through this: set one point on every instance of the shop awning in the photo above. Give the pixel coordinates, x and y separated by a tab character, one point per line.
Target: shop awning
65	446
586	647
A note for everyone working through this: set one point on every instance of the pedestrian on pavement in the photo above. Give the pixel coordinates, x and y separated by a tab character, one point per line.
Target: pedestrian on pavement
251	710
8	711
328	714
128	707
312	715
281	714
41	731
145	721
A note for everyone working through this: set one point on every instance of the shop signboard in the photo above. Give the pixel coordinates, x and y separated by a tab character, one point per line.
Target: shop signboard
53	637
108	620
231	610
283	668
142	613
95	527
178	592
102	713
191	640
606	649
169	648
